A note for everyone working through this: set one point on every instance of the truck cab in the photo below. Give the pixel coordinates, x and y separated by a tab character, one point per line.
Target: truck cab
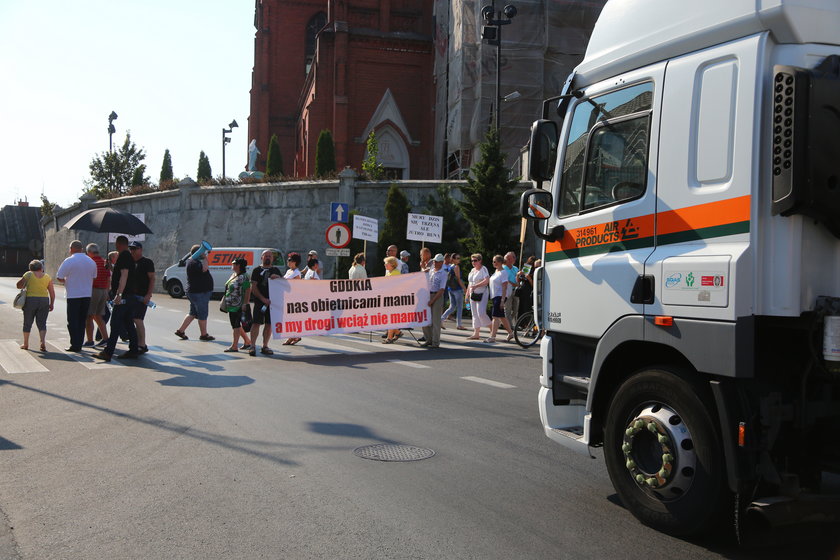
688	196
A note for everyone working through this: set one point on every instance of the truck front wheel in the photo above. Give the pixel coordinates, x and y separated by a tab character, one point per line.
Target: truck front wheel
175	289
663	452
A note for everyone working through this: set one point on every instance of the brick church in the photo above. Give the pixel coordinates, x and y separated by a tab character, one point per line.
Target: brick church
348	66
416	72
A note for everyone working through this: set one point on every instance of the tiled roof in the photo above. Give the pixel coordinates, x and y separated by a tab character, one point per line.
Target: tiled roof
19	226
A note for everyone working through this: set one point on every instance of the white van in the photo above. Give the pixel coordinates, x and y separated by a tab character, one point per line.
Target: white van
220	258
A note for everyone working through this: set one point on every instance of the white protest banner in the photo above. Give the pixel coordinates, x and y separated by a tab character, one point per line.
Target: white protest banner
365	228
424	228
112	237
320	307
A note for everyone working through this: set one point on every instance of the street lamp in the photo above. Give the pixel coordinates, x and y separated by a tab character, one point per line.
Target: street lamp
111	130
492	33
225	141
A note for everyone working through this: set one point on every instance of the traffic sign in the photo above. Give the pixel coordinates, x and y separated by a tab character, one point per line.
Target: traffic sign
338	236
339	212
330	252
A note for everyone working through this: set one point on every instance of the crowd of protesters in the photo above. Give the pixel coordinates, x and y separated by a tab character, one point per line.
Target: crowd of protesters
95	289
108	298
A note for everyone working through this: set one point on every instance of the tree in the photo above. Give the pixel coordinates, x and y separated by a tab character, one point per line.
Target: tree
274	161
204	172
489	204
166	169
455	227
324	154
371	166
47	208
111	173
393	230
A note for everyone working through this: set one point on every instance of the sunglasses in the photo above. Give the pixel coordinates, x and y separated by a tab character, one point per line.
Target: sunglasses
475	260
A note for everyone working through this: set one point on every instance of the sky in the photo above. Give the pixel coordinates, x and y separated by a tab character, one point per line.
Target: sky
176	72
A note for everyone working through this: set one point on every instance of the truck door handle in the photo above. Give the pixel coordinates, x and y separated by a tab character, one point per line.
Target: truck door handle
643	290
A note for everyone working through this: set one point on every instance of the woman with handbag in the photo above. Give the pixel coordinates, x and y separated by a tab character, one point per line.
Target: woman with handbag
477	293
40	299
237	290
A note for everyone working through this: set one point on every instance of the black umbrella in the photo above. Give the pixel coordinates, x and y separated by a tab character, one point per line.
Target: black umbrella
108	220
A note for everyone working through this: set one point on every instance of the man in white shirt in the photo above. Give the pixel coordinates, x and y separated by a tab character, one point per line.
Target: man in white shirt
77	273
357	271
437	288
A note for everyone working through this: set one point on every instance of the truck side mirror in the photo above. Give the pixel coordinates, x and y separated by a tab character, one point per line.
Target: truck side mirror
542	154
536	204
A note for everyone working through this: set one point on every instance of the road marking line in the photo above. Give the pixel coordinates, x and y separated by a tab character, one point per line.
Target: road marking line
489	382
15	360
410	364
324	345
376	342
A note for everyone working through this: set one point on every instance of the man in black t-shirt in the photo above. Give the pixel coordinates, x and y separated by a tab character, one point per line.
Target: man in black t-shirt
262	301
199	291
144	281
123	290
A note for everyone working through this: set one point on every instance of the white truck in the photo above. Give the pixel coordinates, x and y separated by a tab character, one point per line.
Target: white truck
688	192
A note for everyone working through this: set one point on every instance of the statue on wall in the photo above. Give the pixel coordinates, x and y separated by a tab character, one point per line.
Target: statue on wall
252	172
253	152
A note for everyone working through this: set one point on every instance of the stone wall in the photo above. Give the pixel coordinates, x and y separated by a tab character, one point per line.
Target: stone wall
291	216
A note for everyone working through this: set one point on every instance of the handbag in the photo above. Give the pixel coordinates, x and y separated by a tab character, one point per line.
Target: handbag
475	296
20	299
223	307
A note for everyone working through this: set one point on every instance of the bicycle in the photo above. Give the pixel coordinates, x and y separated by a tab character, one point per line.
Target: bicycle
525	331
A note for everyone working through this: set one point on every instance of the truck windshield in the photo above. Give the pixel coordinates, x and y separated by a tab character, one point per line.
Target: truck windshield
606	153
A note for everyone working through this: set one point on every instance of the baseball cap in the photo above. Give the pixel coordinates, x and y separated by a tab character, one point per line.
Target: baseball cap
439	258
136	244
313	252
405	253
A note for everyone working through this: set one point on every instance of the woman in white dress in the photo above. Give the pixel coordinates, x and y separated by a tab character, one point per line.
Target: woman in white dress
478	279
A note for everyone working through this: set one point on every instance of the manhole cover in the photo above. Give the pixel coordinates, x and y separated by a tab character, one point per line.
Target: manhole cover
393	452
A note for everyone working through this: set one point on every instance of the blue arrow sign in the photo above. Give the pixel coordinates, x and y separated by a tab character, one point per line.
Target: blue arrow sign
339	212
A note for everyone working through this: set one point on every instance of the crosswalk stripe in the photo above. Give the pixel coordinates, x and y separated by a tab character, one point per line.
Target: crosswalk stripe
15	360
86	359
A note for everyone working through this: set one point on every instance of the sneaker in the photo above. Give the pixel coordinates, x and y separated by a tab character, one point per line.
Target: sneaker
421	339
101	343
182	335
73	349
206	337
89	344
129	355
103	356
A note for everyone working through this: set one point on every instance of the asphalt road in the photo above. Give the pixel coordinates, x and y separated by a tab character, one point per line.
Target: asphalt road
193	453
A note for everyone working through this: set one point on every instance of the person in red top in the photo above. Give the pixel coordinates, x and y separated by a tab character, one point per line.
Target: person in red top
99	297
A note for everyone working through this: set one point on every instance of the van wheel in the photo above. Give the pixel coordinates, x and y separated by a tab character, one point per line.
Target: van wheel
663	452
175	289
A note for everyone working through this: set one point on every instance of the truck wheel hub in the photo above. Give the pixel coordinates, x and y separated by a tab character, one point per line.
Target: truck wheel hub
659	452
